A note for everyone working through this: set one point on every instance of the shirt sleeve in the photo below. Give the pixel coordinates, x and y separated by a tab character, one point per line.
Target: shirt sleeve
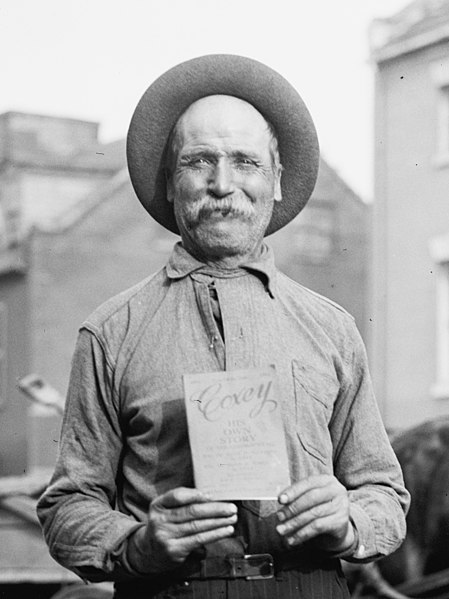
365	463
77	511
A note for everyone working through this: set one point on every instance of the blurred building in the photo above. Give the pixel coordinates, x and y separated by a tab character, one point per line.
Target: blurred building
92	239
327	246
410	344
15	337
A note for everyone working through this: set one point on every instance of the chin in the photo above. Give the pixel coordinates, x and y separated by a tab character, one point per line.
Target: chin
223	239
223	247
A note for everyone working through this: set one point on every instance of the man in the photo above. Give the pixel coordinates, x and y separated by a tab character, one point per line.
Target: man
222	150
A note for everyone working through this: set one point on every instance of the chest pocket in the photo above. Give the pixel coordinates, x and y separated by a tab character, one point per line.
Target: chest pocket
315	394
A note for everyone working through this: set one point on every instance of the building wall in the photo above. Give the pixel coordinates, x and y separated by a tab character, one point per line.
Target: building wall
47	194
47	165
73	272
326	247
15	335
15	357
411	208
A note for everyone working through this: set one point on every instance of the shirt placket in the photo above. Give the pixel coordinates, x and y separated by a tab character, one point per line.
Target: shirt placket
202	284
240	332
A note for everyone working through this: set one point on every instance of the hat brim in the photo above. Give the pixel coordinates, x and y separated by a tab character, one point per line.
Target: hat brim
272	95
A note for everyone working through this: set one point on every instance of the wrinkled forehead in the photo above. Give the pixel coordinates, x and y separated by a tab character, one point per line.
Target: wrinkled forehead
222	114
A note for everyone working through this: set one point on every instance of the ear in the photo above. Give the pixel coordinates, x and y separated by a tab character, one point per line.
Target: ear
277	185
169	187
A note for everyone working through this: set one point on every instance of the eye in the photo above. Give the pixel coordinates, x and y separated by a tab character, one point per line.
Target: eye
245	162
199	161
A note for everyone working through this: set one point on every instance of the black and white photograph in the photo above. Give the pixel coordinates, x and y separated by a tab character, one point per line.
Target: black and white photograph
224	299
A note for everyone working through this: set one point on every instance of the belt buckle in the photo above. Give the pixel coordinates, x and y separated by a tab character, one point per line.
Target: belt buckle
253	566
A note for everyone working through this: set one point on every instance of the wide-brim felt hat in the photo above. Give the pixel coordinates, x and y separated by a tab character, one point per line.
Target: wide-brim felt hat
270	93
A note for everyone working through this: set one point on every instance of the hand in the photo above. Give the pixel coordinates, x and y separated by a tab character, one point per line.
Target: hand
316	508
179	522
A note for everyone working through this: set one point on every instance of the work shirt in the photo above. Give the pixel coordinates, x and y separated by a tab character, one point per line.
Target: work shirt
124	435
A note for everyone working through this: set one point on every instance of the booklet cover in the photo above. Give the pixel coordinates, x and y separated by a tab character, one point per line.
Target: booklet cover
236	434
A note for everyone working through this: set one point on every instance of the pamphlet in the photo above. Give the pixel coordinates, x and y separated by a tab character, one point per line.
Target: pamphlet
236	434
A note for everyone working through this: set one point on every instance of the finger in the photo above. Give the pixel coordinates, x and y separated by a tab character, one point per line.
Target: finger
305	518
304	486
306	501
195	527
317	527
200	511
182	547
179	497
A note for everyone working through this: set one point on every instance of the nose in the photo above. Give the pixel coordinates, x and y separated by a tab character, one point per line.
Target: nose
221	182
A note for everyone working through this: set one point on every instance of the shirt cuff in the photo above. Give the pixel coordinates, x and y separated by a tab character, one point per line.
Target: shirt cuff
364	548
349	551
119	555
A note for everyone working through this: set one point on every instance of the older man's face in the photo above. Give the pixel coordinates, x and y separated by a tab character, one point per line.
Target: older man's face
224	180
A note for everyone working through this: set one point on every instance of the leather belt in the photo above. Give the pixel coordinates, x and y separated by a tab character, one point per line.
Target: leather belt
255	566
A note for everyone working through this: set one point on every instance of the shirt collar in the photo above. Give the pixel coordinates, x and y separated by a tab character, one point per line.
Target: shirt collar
181	264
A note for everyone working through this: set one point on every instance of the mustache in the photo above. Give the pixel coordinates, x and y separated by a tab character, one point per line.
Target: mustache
228	206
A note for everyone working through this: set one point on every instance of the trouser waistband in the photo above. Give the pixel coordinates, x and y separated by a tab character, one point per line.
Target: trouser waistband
245	573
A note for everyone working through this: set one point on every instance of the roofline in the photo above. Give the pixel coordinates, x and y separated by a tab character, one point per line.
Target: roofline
59	166
355	197
12	113
417	42
80	210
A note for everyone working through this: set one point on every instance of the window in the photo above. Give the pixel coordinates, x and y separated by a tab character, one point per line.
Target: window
440	254
3	353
